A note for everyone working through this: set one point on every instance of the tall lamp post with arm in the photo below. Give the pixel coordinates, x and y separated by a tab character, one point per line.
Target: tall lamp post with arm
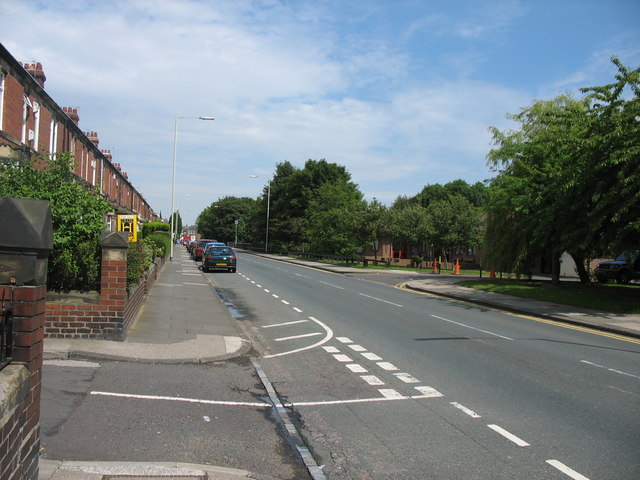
266	242
173	182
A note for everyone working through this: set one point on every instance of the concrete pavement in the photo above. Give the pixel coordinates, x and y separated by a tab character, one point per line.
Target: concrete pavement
173	326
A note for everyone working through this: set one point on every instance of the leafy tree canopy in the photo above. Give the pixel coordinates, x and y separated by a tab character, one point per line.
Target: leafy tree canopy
217	221
569	178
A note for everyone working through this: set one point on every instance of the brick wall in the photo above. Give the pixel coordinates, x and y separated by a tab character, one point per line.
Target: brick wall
21	385
111	317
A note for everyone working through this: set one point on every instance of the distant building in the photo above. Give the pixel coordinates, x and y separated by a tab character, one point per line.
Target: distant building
32	123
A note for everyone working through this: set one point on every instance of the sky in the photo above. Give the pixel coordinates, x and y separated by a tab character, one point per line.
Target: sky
400	92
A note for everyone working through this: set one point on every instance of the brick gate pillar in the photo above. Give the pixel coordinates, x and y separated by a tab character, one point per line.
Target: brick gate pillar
113	279
26	238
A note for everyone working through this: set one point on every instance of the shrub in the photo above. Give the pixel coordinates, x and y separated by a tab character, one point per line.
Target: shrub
150	227
161	242
139	257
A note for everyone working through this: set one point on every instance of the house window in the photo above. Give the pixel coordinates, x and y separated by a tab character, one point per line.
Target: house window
53	137
26	105
36	137
2	77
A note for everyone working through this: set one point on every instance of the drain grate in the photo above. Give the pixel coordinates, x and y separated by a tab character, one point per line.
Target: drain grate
155	477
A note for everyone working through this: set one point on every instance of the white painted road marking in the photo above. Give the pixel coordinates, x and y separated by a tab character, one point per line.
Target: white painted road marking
297	309
372	379
387	366
181	399
354	400
380	300
610	369
327	337
331	350
332	285
357	348
294	337
344	339
356	368
428	392
406	378
284	324
510	436
390	393
566	470
471	413
342	358
371	356
472	328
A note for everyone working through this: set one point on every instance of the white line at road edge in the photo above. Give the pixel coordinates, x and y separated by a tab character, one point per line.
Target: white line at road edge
469	326
566	470
380	300
510	436
327	337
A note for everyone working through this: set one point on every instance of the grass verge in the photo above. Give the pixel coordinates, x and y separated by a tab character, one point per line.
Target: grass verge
612	298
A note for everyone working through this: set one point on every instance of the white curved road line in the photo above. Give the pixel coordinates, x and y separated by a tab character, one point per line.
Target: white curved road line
327	337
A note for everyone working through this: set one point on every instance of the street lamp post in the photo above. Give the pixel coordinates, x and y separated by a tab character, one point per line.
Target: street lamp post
173	182
266	242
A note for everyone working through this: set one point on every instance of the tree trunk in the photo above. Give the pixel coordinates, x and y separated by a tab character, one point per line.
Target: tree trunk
581	267
555	268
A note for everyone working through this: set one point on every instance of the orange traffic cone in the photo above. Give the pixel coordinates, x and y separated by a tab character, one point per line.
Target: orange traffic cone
435	266
493	273
456	270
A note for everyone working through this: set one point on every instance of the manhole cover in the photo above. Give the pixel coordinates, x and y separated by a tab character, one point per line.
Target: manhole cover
155	477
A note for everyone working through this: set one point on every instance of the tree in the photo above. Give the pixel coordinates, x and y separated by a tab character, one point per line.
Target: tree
568	178
453	223
217	221
408	224
336	212
77	215
292	190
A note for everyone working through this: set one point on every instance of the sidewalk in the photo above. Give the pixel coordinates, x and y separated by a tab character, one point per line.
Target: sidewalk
173	325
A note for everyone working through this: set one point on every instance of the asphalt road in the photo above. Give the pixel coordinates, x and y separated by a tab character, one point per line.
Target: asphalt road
390	384
216	414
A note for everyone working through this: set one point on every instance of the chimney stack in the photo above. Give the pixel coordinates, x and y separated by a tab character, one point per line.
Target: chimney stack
93	136
72	113
107	154
35	70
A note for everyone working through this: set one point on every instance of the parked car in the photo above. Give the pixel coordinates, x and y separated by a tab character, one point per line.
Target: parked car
623	269
199	249
190	246
215	244
219	258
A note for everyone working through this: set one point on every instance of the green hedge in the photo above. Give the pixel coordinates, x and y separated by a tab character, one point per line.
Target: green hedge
161	242
150	227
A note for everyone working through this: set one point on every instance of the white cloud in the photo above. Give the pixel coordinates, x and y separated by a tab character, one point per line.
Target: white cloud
285	81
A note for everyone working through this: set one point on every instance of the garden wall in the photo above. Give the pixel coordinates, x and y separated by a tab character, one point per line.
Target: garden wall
109	314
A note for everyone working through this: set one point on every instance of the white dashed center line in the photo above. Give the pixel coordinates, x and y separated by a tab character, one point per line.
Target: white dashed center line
509	436
566	470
